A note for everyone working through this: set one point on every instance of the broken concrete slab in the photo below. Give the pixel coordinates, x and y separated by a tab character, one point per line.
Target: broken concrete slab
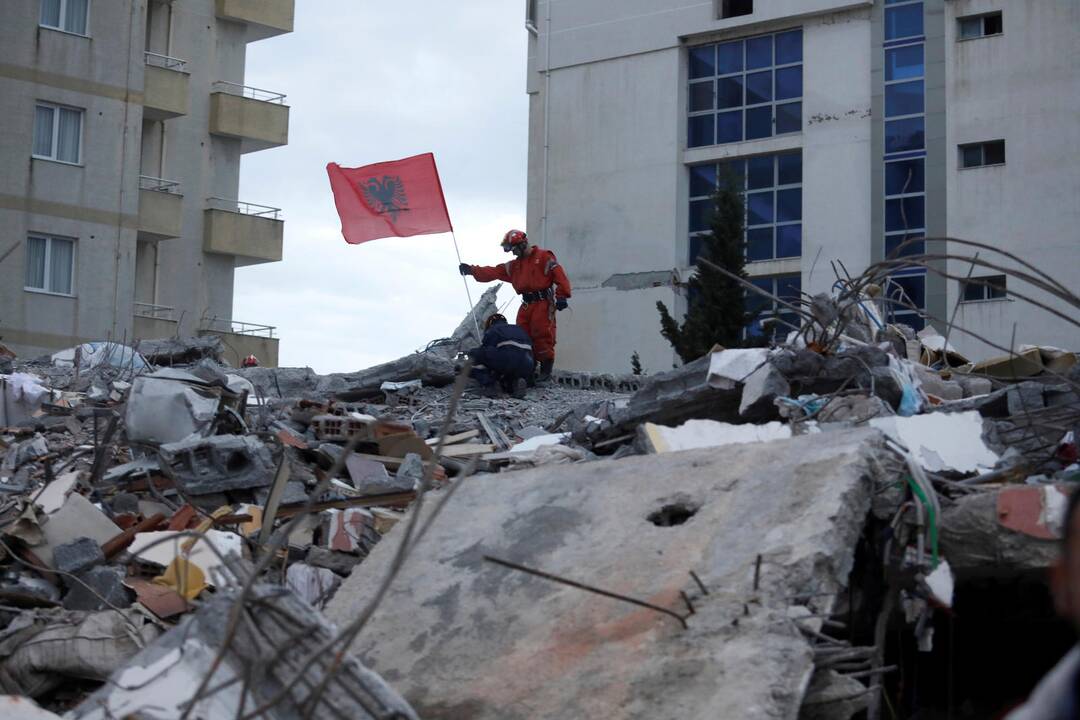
182	351
340	562
161	679
100	588
760	389
218	464
78	555
729	368
695	434
462	637
78	518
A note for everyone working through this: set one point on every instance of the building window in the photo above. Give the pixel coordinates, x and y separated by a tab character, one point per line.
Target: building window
982	154
745	89
67	15
735	8
772	189
903	20
50	264
980	26
57	132
977	289
905	206
906	298
766	316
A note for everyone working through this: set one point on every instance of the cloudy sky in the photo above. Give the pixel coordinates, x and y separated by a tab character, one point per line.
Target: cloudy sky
366	82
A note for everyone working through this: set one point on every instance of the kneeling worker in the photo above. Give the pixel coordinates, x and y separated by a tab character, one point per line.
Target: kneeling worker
537	276
505	357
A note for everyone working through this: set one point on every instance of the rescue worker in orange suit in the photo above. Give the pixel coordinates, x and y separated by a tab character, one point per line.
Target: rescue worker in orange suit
537	276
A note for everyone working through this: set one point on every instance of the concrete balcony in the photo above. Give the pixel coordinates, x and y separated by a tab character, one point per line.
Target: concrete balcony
242	339
263	18
258	118
160	209
251	233
152	322
165	87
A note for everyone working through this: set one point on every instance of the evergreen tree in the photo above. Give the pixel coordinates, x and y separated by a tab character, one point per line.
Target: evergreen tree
716	314
635	364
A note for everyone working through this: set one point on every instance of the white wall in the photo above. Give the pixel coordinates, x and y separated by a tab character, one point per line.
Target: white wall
1023	86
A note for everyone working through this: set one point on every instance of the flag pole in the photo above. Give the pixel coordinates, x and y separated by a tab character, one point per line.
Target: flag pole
468	293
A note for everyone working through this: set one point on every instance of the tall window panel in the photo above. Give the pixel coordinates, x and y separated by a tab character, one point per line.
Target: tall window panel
57	132
905	156
50	264
772	187
745	89
67	15
760	309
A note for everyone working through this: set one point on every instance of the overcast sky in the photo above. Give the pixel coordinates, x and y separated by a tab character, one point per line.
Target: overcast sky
367	82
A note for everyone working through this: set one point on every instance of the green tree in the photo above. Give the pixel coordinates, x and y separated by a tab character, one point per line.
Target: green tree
635	364
716	314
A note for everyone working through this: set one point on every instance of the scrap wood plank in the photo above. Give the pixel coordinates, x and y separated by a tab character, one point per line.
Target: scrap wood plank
467	449
454	439
494	434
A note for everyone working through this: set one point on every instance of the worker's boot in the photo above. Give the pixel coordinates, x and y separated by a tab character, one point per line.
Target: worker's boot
518	390
545	371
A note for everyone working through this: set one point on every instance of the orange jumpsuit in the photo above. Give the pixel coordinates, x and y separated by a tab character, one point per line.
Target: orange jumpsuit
537	273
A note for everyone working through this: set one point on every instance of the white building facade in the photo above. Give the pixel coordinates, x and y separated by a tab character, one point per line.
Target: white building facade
121	133
852	127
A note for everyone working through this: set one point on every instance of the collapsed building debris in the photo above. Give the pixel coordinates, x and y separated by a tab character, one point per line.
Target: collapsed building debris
812	528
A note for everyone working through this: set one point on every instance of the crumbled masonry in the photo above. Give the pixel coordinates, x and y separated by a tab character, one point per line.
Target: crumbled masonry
812	529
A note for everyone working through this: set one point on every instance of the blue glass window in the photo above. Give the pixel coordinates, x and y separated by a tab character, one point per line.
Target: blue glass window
893	245
788	118
729	57
905	176
759	172
750	76
758	307
903	135
789	168
907	213
903	63
759	52
904	21
904	98
788	241
906	290
758	122
702	180
788	83
789	47
702	62
759	87
700	130
773	199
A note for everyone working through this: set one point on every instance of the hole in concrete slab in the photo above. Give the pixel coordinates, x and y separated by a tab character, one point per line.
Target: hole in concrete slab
673	514
237	461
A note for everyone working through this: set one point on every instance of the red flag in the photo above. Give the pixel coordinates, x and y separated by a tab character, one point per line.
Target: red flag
390	199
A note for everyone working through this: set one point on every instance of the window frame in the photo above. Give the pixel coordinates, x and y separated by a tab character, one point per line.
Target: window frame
744	107
54	141
770	307
49	239
986	287
723	14
982	154
982	18
63	17
775	188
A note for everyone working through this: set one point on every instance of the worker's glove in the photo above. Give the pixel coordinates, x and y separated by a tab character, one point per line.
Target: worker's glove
561	304
465	269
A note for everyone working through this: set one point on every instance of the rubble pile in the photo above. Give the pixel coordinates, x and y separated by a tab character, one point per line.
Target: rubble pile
778	529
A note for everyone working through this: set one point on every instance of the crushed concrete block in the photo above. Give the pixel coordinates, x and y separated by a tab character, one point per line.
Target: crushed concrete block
125	503
639	525
314	585
370	477
728	368
832	696
77	555
340	562
974	386
181	351
410	472
933	384
218	464
975	539
1025	397
106	582
760	389
854	409
169	406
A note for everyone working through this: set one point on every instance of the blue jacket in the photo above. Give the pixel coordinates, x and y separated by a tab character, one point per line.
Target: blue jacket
506	350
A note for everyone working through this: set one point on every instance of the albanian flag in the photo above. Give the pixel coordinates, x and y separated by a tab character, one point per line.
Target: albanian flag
389	199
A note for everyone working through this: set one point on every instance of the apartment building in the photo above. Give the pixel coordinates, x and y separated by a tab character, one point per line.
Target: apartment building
851	125
121	133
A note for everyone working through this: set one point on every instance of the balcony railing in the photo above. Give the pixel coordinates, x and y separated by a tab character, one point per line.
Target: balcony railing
236	327
157	312
251	93
164	61
244	208
157	184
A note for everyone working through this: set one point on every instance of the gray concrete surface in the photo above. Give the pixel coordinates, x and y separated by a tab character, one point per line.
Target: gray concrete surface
461	637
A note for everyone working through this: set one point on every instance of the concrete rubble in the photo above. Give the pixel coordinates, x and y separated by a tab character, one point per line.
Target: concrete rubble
785	531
